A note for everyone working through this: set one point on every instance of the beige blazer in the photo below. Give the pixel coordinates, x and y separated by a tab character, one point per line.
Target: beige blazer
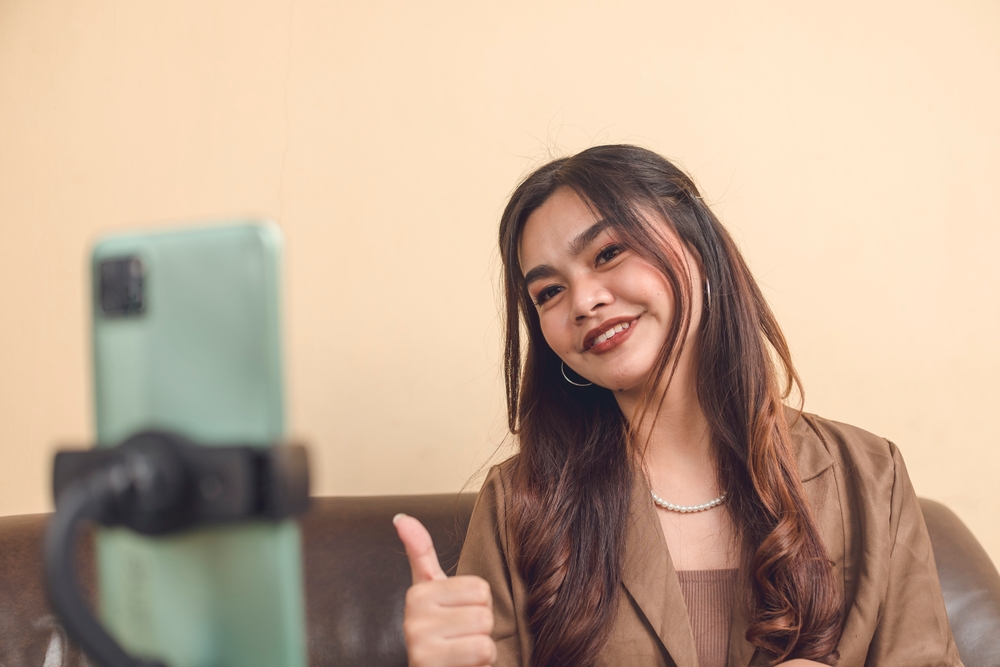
869	519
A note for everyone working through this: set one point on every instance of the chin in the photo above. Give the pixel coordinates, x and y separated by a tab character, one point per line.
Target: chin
627	377
622	383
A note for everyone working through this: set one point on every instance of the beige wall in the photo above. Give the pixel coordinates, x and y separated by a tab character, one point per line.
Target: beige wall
852	147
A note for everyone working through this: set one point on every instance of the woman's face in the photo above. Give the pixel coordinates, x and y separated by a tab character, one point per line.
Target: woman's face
604	310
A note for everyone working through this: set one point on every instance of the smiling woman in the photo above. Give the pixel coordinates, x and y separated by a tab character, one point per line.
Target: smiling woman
654	367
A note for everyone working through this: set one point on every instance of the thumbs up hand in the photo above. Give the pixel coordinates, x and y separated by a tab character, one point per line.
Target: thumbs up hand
448	620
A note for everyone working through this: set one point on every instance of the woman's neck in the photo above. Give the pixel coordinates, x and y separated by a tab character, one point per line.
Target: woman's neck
675	439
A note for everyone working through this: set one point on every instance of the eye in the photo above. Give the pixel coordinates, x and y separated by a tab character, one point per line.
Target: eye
608	253
546	294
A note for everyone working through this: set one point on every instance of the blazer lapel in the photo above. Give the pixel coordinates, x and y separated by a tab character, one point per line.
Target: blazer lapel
649	577
813	460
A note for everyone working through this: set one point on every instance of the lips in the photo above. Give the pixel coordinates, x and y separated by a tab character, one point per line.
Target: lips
608	334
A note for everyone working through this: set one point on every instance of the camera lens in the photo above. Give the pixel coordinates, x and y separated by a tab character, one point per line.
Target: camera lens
121	286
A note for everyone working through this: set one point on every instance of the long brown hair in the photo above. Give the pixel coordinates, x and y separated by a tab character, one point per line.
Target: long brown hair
573	473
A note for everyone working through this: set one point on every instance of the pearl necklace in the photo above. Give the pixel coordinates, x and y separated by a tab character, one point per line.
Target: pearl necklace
687	508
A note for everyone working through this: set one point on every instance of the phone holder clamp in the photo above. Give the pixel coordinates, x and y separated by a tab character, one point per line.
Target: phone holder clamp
157	483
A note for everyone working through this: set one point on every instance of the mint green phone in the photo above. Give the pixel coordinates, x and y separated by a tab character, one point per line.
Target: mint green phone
186	332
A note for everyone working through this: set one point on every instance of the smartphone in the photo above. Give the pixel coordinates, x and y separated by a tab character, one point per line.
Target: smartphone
187	338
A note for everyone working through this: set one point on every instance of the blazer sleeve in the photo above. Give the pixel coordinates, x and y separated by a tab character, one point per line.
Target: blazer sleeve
485	554
913	625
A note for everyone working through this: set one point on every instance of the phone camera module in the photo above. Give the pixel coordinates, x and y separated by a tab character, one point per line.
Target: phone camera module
121	286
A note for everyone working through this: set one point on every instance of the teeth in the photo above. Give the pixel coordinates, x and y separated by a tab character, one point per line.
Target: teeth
618	328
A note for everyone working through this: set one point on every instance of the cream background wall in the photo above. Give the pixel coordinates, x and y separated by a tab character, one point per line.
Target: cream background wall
852	148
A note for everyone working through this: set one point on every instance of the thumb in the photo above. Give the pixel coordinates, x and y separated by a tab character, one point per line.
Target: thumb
419	549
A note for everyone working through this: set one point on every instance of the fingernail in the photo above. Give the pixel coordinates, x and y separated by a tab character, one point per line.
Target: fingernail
397	518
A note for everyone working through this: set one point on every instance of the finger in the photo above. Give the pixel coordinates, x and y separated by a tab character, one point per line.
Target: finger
461	652
465	590
472	650
424	563
450	623
468	590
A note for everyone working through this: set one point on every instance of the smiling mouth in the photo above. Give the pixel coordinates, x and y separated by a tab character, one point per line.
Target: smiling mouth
611	333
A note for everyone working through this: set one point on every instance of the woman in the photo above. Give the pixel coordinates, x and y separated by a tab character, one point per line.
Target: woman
653	369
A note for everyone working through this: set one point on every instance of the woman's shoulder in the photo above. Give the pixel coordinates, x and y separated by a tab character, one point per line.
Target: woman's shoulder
497	479
855	453
494	494
485	550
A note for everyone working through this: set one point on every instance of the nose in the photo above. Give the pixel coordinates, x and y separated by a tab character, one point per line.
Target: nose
589	295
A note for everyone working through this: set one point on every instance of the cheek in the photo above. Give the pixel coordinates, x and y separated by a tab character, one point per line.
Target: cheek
658	289
646	285
664	296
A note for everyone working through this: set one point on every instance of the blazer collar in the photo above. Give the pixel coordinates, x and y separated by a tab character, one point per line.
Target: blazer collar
810	450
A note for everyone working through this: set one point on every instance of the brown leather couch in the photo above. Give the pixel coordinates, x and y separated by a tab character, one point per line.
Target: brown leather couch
357	574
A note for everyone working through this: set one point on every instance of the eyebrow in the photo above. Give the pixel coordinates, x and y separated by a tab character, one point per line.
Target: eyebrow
539	272
576	246
587	236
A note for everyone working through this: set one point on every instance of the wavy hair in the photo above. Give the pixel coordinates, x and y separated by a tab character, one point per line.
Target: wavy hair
572	476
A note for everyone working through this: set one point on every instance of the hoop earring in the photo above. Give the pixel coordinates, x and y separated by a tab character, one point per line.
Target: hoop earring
566	377
708	295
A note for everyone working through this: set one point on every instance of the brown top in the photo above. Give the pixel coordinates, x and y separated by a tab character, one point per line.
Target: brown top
708	596
868	518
